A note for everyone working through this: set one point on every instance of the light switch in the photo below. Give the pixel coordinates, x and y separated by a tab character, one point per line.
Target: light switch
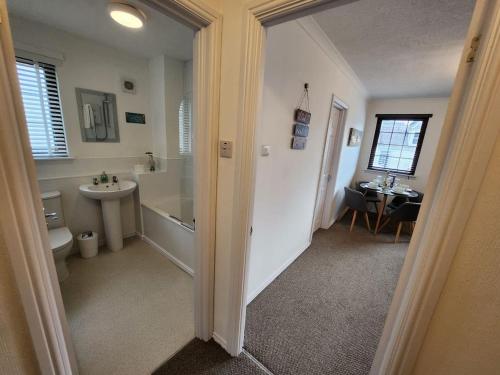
265	150
226	149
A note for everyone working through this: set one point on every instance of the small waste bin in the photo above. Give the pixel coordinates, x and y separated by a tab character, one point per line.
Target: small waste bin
87	242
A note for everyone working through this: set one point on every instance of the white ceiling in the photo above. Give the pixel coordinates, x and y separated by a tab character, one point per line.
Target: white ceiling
90	19
400	48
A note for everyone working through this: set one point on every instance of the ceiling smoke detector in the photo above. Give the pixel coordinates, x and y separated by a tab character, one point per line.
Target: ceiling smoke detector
127	15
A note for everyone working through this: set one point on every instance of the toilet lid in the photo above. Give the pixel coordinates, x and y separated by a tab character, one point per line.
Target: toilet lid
59	238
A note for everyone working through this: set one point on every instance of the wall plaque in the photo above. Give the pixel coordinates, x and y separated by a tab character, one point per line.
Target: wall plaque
299	143
302	116
301	130
135	118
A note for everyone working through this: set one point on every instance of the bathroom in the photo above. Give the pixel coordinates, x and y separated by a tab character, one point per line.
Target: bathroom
109	114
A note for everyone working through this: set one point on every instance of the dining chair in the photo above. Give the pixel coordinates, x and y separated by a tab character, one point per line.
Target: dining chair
417	199
370	195
399	200
407	212
356	201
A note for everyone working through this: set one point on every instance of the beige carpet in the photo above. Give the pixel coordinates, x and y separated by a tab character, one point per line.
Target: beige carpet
128	311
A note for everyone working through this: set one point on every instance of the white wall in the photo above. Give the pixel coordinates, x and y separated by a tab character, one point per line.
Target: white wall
436	106
463	336
287	180
90	65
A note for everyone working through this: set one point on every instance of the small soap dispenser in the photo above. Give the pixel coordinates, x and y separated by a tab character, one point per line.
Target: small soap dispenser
104	178
151	161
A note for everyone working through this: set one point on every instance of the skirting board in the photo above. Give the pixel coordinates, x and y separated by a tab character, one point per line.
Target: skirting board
275	274
219	340
164	252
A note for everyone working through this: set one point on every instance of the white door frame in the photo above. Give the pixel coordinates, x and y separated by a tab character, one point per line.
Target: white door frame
21	220
467	141
335	156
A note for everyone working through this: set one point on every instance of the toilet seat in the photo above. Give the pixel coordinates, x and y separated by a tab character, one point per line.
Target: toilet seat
60	238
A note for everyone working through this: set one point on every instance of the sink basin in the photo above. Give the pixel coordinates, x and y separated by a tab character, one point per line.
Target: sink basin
109	195
108	191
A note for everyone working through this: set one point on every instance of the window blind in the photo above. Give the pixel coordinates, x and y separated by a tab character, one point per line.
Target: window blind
186	125
42	107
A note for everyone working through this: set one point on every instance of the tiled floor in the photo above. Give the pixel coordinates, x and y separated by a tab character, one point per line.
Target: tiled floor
128	311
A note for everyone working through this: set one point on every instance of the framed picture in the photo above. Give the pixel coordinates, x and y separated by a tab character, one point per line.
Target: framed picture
355	137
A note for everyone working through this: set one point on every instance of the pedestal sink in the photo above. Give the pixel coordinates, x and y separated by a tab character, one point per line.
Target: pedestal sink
109	195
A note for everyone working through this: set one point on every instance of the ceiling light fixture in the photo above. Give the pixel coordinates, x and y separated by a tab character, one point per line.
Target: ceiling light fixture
127	15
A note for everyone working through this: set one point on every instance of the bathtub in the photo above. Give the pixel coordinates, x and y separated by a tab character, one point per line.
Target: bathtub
164	229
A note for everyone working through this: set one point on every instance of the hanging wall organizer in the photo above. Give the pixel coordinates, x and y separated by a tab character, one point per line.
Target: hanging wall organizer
302	119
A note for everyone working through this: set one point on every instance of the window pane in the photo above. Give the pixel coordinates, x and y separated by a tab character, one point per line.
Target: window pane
382	150
397	139
405	164
387	126
400	126
392	163
408	152
384	138
414	126
395	151
411	139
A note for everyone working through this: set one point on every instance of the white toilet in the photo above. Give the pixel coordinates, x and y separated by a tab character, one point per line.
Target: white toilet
60	238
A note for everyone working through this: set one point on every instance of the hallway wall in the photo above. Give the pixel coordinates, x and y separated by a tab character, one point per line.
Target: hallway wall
287	180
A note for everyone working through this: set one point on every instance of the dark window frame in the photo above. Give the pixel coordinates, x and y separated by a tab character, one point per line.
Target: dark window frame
405	117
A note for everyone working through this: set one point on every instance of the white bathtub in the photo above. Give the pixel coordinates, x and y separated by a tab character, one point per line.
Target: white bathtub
164	230
176	207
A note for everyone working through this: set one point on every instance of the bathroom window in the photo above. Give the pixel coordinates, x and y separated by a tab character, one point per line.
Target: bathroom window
186	126
42	107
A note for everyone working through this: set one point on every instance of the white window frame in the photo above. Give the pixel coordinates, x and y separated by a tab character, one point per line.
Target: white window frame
56	142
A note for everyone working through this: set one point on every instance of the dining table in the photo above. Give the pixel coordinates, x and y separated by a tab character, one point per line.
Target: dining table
386	192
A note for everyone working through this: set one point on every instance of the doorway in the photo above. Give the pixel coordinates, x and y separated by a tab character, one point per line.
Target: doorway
324	208
102	99
286	207
53	342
